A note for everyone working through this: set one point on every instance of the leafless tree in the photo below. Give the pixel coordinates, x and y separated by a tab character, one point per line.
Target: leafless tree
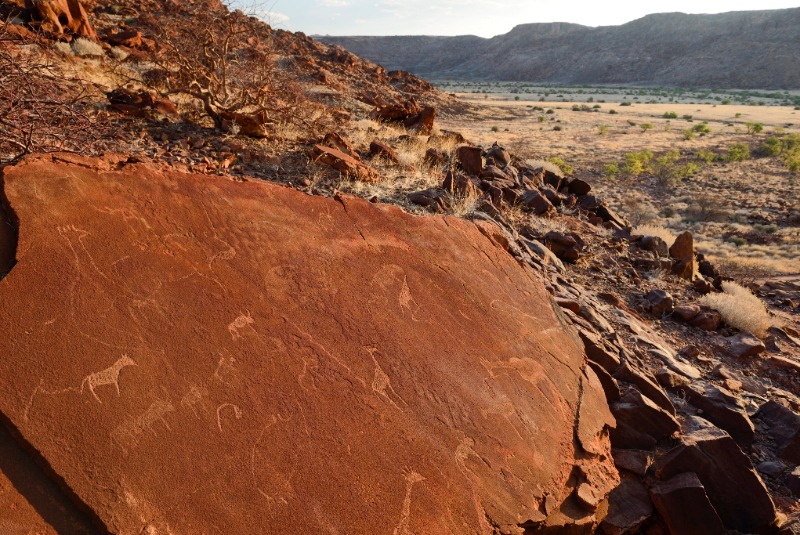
41	109
226	61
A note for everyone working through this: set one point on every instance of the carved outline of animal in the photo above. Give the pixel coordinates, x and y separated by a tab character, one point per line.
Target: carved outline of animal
109	376
242	321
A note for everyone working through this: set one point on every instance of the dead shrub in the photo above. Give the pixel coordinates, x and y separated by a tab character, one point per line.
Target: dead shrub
41	108
227	62
739	308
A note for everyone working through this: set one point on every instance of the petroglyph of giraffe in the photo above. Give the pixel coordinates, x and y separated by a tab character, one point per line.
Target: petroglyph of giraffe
109	376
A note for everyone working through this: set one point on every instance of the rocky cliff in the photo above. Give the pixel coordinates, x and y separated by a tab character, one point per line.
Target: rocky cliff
752	49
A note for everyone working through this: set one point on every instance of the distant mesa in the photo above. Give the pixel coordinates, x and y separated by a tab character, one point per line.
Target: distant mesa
742	50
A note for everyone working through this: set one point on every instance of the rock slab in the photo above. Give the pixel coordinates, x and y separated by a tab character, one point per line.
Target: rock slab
188	351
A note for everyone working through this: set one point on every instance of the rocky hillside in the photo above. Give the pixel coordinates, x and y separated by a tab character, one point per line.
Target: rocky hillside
747	50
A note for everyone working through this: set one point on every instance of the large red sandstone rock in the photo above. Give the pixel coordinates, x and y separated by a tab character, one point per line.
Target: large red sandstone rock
193	354
59	16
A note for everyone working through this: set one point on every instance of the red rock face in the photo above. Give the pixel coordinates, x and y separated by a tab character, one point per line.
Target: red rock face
192	354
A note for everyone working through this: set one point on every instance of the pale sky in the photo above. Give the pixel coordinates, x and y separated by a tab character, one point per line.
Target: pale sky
486	18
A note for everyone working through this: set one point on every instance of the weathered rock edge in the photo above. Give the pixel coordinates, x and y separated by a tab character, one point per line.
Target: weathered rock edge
288	362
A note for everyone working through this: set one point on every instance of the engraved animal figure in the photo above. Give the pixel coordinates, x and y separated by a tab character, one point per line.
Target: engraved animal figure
109	376
240	322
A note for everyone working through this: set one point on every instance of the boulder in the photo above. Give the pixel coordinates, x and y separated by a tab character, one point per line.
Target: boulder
744	345
340	142
653	244
434	199
396	111
783	427
659	302
61	16
498	155
456	183
683	246
642	414
629	508
422	122
721	408
734	488
535	202
633	461
345	164
208	352
379	148
565	246
470	160
579	187
683	504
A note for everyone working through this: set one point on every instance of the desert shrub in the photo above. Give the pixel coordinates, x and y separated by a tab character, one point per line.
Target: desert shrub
541	119
612	112
689	134
655	231
631	123
687	118
670	115
63	48
495	129
705	155
667	170
702	128
739	308
557	128
772	146
637	163
645	127
626	103
581	107
738	152
611	170
602	129
550	111
86	47
566	168
754	128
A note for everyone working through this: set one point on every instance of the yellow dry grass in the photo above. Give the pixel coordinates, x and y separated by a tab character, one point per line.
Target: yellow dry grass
739	308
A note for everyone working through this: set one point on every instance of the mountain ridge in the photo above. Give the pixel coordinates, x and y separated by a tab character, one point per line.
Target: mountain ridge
739	49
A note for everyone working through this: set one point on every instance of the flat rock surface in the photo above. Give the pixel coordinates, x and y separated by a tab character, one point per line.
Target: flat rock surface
197	355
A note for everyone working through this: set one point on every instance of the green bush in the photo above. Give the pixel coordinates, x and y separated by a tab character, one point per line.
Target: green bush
626	103
702	128
637	163
754	128
612	112
561	164
688	134
738	152
687	117
611	170
670	115
772	146
645	127
541	118
602	129
705	155
557	128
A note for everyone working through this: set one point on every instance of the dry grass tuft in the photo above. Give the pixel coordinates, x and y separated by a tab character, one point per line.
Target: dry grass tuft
739	308
656	231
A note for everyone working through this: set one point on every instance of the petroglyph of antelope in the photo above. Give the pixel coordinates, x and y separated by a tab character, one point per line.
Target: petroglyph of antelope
109	376
242	321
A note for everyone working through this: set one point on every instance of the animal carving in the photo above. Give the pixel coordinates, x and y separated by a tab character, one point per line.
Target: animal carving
240	323
109	376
